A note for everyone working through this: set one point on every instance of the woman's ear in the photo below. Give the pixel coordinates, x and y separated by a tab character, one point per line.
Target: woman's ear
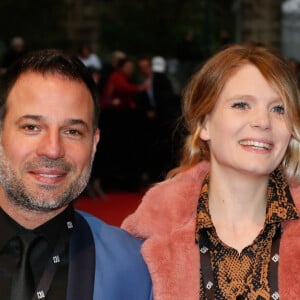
204	131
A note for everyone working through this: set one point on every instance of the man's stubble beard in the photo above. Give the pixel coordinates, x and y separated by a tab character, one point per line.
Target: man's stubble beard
20	195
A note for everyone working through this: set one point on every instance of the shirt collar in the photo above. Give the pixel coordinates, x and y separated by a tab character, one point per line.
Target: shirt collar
203	215
49	230
9	229
280	204
60	224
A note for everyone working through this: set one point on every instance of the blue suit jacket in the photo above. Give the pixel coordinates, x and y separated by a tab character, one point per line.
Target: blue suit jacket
105	263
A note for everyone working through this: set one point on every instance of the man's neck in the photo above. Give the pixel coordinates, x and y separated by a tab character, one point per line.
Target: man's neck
28	219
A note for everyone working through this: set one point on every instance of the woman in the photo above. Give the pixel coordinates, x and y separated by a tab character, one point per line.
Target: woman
118	164
217	227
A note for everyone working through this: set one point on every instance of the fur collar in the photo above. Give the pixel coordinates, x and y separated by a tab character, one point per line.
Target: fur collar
166	221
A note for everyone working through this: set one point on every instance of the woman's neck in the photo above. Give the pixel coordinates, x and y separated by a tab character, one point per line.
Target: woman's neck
237	205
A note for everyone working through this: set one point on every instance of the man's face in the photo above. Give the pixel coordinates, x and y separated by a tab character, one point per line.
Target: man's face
47	141
145	67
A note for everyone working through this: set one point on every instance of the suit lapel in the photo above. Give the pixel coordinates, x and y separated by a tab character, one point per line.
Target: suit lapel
81	262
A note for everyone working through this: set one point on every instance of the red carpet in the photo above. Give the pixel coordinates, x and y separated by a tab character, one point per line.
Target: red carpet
112	211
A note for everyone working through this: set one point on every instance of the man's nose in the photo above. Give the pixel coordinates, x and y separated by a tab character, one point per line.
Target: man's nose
51	145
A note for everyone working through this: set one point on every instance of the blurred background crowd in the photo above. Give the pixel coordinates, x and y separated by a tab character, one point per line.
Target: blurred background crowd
141	54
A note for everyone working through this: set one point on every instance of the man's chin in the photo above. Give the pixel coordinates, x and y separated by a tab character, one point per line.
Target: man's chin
45	206
44	202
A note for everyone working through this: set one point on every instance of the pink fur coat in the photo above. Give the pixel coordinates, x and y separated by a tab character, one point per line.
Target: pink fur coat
166	221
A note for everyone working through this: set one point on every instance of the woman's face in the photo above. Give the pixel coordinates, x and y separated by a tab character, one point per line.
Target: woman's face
247	130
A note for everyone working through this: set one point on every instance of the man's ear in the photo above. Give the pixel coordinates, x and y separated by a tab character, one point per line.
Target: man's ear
204	131
96	139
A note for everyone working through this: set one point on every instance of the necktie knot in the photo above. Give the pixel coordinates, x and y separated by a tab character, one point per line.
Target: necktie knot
27	240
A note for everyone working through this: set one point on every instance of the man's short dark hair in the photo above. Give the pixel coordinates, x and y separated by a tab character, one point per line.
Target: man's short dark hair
49	61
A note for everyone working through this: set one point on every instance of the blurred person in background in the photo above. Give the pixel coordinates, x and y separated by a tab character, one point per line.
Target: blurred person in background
16	50
119	91
90	59
159	108
111	66
119	124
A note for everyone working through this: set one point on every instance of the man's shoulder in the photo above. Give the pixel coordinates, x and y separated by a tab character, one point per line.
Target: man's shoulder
118	254
104	233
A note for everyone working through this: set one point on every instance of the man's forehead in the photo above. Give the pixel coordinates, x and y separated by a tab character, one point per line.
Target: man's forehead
36	92
26	79
46	75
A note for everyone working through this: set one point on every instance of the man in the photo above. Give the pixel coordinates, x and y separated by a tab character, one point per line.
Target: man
90	59
160	109
49	134
160	97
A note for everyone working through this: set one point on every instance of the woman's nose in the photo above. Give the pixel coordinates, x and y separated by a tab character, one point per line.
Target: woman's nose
261	119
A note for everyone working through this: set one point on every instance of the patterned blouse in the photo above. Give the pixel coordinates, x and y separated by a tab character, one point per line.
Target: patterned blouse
245	275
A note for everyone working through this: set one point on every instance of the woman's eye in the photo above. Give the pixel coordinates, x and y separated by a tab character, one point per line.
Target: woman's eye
278	109
240	105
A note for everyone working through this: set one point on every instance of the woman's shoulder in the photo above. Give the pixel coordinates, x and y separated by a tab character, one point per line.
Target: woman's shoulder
168	204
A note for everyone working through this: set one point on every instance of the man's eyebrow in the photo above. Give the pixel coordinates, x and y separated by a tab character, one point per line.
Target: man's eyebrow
66	122
30	117
77	122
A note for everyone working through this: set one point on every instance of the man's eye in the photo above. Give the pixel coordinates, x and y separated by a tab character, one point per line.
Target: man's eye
30	127
73	132
240	105
278	109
